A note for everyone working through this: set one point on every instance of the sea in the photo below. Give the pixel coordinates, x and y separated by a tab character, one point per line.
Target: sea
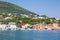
29	35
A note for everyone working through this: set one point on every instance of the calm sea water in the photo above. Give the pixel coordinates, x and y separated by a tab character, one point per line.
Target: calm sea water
29	35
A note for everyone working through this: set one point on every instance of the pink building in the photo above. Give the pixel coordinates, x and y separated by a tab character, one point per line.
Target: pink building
53	26
39	26
25	25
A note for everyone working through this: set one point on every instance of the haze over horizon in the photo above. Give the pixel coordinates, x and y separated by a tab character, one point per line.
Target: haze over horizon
50	8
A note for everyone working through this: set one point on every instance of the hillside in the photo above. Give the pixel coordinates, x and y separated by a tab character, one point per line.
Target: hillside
12	8
12	13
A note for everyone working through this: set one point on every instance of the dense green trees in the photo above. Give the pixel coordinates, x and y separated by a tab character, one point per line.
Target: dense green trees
20	19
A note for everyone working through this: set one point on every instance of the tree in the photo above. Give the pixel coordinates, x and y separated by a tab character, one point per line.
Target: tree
47	21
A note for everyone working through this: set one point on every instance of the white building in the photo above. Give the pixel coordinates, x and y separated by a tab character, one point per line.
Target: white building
2	27
25	25
7	17
12	25
41	17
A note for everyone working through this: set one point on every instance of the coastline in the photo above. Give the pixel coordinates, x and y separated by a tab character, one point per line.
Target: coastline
22	29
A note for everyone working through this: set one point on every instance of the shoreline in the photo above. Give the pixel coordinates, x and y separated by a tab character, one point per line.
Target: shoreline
30	29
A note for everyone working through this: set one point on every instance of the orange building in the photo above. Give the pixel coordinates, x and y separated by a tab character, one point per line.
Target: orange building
39	26
50	26
53	26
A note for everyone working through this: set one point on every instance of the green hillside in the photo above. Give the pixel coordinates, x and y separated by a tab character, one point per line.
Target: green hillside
12	8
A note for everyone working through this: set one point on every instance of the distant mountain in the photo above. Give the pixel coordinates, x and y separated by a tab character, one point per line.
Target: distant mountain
12	8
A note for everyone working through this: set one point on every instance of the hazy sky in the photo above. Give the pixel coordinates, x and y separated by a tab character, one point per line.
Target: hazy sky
50	8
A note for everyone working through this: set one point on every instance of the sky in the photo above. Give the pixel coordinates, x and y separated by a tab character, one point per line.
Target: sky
50	8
